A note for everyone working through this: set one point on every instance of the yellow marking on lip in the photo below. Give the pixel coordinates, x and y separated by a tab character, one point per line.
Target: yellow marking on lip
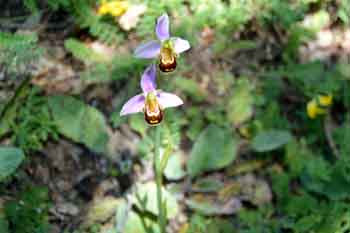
153	111
167	60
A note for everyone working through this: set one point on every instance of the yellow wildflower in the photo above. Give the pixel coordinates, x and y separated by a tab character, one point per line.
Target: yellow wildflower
313	109
319	105
245	132
325	100
114	8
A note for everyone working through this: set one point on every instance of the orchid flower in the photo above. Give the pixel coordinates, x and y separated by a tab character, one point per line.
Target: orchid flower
166	48
152	101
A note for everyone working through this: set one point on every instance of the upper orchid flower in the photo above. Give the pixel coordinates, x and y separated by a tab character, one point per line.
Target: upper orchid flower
152	101
166	48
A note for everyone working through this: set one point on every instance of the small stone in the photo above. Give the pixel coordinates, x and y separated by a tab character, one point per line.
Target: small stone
100	210
130	19
68	209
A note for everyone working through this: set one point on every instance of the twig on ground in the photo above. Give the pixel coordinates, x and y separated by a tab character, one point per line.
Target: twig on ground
328	132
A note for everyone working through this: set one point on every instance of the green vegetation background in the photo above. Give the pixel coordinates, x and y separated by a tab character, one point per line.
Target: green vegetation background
246	84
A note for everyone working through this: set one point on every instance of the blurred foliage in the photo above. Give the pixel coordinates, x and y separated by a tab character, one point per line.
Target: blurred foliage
82	52
33	125
84	14
215	148
10	159
17	50
29	212
27	119
79	122
270	140
344	12
240	105
147	192
215	225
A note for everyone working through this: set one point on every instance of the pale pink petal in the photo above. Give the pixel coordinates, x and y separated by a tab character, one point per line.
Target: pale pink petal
133	105
162	27
149	49
148	79
167	100
180	45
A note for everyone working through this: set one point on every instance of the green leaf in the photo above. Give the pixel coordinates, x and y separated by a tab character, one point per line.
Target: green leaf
3	225
344	70
121	216
295	156
270	140
214	149
207	185
344	16
190	88
9	112
101	210
333	184
174	170
240	106
137	123
317	21
134	224
79	122
148	191
10	159
82	52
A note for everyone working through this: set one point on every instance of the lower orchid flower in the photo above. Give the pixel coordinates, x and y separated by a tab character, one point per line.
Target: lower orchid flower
151	102
166	48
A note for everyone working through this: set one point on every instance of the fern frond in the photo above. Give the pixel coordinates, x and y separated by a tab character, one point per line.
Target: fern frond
82	52
31	5
87	18
18	50
13	41
57	4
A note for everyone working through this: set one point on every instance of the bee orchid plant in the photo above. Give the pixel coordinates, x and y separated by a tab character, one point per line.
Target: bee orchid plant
153	101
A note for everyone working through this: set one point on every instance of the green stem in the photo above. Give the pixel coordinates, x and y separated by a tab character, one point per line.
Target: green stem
158	177
9	111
